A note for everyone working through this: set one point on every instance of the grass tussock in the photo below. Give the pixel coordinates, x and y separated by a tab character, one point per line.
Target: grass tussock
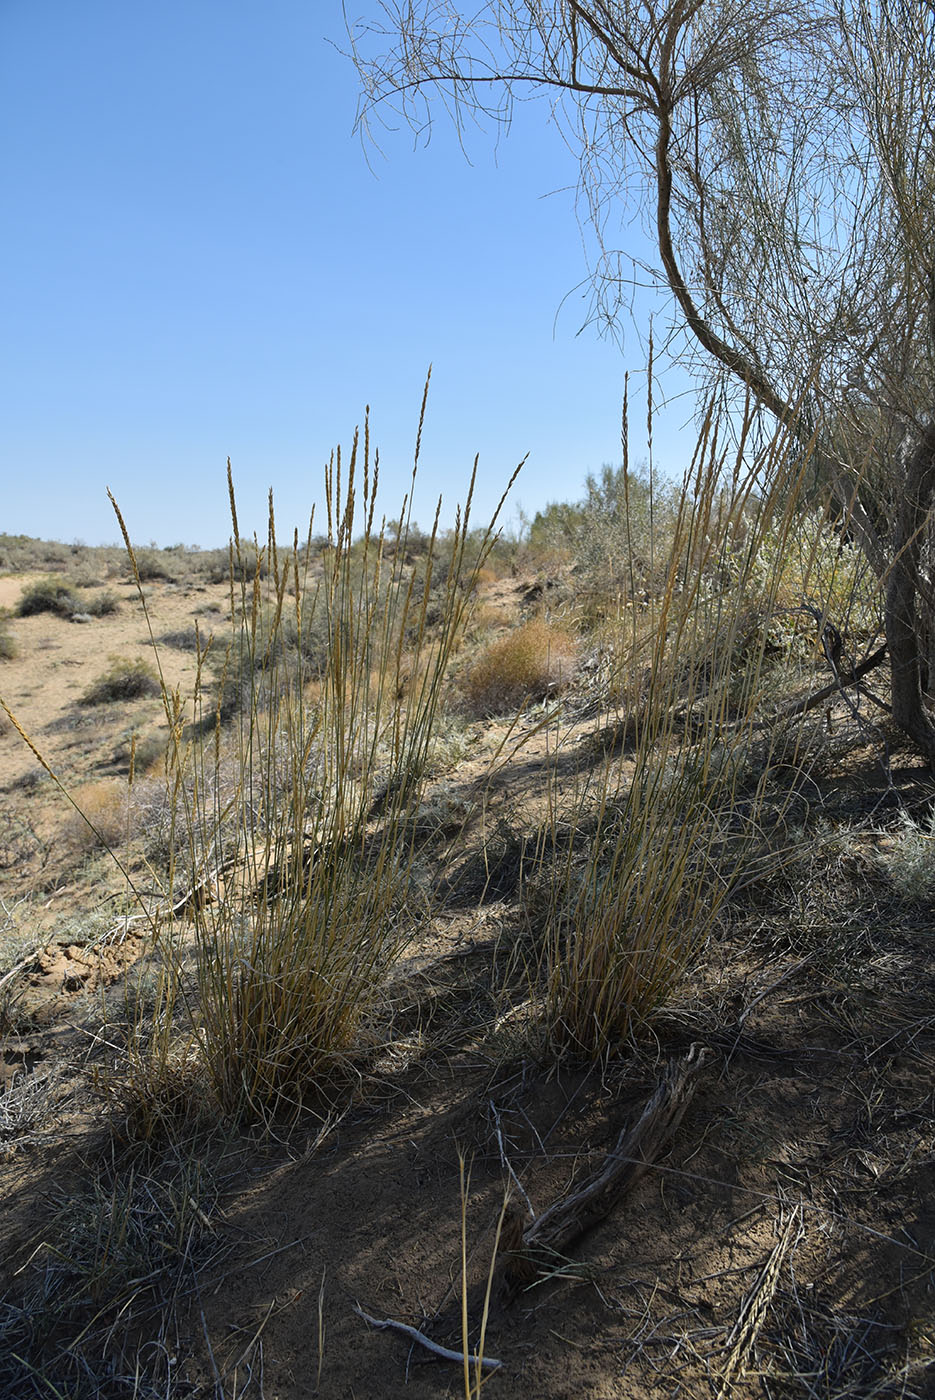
674	819
530	663
297	820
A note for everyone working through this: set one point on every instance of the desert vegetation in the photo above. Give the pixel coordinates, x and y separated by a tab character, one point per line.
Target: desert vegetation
612	901
442	958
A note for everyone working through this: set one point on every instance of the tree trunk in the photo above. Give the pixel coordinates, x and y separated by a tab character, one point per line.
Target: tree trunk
903	624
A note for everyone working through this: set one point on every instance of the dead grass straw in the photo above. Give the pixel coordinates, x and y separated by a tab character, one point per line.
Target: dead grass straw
310	881
675	817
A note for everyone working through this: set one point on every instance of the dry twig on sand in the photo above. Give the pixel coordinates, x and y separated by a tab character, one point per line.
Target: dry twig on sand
445	1353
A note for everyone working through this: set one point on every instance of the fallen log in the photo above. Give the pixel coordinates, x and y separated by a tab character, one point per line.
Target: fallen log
539	1248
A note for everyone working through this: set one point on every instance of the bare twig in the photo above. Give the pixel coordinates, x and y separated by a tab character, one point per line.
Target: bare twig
495	1114
437	1350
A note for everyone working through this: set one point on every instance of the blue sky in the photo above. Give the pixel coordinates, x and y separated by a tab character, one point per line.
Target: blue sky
199	262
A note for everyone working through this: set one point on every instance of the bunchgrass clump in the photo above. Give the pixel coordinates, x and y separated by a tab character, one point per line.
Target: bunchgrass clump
530	663
674	821
305	851
126	678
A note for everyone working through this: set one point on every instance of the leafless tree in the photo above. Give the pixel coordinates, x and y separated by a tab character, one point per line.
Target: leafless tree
781	154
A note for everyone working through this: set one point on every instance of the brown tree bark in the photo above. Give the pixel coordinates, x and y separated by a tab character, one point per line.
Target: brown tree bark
902	597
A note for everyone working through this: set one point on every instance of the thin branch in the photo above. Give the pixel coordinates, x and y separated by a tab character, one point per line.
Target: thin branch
487	1362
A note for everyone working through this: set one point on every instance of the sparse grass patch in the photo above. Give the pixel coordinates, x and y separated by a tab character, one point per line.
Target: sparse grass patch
530	663
124	679
136	1236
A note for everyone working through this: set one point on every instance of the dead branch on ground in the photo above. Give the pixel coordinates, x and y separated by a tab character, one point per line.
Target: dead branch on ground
540	1246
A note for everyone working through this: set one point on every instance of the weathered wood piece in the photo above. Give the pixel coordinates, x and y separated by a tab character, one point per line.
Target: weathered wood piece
539	1247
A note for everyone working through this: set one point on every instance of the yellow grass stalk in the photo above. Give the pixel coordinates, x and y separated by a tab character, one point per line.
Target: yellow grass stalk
670	840
298	818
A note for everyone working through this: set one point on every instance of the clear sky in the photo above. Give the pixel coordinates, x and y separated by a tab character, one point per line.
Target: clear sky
198	261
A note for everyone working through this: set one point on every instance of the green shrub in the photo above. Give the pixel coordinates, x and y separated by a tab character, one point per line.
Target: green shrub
124	679
48	595
8	646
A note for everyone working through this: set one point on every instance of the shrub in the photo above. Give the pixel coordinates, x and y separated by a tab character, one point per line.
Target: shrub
152	566
183	639
529	663
619	537
48	595
102	605
124	679
8	647
246	563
